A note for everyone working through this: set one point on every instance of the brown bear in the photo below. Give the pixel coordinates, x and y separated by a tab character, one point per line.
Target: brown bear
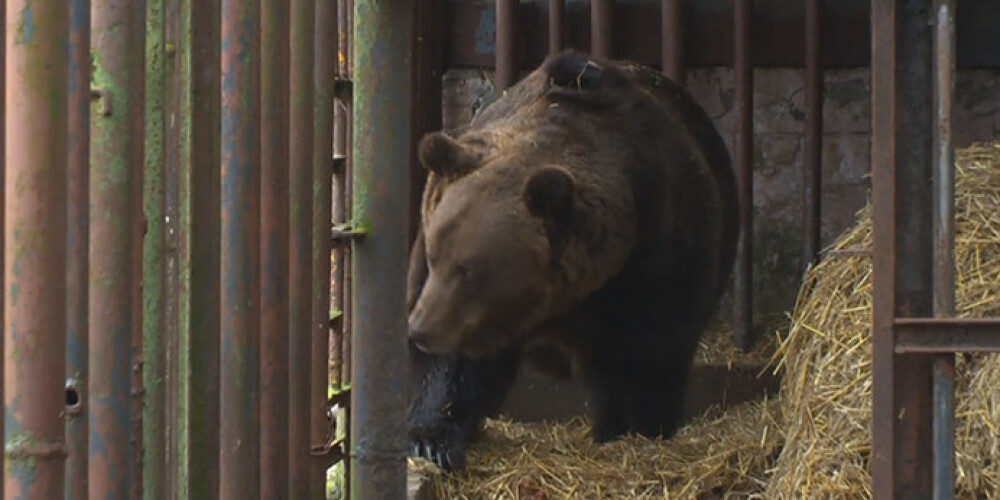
590	213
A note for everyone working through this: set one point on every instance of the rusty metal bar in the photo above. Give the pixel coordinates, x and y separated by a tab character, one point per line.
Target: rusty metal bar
382	142
947	335
883	167
943	230
812	172
743	81
196	375
116	161
36	68
78	246
325	75
557	25
902	450
301	122
239	440
507	64
672	40
274	85
602	28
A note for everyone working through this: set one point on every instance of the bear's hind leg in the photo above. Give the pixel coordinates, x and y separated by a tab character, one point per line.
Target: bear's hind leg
450	397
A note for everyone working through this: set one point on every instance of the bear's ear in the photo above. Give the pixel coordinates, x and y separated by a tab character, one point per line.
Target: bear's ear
446	156
550	193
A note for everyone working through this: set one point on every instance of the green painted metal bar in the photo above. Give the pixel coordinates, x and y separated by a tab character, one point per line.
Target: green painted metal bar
325	73
36	70
383	43
78	250
153	257
197	372
300	245
172	87
239	453
274	248
117	45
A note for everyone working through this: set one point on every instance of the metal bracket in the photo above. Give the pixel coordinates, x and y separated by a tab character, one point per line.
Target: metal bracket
333	450
104	96
345	232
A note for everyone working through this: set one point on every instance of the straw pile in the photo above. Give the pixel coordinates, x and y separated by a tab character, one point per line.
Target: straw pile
826	355
813	440
723	456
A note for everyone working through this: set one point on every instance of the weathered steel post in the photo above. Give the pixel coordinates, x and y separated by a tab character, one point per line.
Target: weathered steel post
35	127
383	43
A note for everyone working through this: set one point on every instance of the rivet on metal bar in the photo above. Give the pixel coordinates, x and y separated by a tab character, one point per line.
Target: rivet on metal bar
30	449
345	232
105	97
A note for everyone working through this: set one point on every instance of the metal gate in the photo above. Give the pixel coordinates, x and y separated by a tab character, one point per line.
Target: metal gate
915	332
167	246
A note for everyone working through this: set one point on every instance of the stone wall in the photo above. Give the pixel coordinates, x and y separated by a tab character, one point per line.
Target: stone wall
779	115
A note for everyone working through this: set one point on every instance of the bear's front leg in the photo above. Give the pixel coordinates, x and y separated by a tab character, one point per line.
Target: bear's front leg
450	396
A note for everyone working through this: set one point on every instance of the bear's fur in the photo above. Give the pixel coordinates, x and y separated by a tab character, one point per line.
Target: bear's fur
591	212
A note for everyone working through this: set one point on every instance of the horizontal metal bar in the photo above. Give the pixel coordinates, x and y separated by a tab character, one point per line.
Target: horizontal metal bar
848	252
345	232
927	335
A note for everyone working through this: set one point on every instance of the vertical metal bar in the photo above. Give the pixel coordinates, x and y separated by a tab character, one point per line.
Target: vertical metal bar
426	115
239	447
345	56
883	166
325	53
78	246
672	38
382	142
557	25
274	94
812	173
506	43
170	306
602	28
36	70
300	275
116	163
743	78
943	227
902	447
153	255
199	188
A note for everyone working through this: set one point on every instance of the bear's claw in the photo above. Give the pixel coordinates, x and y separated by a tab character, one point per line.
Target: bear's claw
447	456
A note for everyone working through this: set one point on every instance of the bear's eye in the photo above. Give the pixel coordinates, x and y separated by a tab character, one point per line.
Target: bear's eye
464	272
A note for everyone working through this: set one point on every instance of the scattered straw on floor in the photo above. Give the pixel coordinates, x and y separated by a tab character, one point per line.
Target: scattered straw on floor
724	455
826	356
813	440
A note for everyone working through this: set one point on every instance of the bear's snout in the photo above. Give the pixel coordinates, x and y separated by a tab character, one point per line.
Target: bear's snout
420	339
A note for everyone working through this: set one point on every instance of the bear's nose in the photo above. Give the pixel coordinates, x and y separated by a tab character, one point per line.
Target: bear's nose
421	339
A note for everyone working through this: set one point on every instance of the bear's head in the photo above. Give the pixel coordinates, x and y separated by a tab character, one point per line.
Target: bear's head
490	244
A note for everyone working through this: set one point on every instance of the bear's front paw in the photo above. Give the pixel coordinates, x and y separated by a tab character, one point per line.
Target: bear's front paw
446	450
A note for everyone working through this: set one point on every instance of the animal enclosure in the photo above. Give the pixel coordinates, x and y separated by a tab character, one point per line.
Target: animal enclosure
207	209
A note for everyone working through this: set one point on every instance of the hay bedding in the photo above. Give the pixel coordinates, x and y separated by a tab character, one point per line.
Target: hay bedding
810	442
